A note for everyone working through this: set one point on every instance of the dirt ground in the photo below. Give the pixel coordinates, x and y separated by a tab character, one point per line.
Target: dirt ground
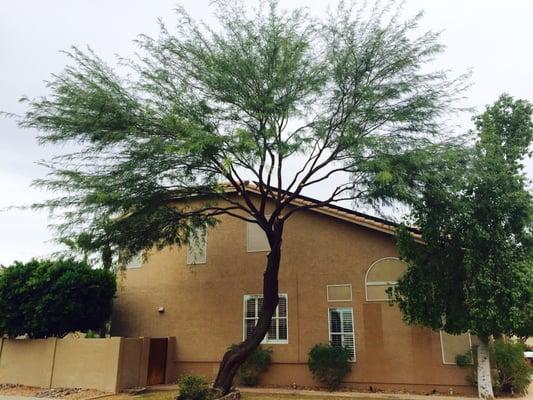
58	393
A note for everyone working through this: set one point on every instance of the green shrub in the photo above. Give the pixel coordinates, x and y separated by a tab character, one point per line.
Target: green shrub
193	387
257	363
329	364
513	370
510	372
90	334
45	298
472	378
463	360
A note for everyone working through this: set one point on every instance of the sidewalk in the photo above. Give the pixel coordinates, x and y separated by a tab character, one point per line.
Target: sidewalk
317	393
353	395
7	397
529	395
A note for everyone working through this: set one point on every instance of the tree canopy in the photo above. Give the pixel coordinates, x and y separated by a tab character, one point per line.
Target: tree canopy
53	298
275	96
348	96
475	271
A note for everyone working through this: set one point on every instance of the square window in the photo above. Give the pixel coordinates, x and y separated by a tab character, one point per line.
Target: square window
278	331
256	239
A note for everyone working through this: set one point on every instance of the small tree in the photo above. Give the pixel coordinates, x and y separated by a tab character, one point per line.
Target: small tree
475	271
53	298
278	97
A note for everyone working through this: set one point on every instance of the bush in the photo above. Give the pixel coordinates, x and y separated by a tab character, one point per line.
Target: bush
463	360
470	360
329	364
193	387
257	363
44	298
510	371
513	370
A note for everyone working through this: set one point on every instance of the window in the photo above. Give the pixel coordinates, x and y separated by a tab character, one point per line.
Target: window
135	262
256	239
339	292
197	247
341	329
253	307
381	275
453	345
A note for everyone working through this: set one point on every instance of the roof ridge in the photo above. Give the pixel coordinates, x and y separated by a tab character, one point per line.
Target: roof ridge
340	212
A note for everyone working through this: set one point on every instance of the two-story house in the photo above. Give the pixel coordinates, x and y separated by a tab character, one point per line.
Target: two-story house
336	266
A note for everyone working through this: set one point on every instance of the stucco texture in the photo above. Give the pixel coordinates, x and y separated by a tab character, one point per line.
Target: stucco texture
203	305
108	365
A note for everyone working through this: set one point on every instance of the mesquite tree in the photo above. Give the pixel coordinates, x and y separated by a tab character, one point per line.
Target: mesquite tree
475	273
274	96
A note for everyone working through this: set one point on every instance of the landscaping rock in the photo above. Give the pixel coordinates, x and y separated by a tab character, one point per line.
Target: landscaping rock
58	392
236	395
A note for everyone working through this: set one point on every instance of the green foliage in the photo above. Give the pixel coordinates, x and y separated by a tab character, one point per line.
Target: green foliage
462	360
256	363
329	364
91	334
472	378
511	372
475	272
349	94
193	387
54	297
514	371
350	98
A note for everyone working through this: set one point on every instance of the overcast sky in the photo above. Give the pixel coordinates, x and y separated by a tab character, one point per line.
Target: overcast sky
492	37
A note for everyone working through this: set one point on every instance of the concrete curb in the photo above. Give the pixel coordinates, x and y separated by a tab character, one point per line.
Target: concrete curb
353	395
100	396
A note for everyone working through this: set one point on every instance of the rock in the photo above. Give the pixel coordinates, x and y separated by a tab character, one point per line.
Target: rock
58	392
235	395
136	390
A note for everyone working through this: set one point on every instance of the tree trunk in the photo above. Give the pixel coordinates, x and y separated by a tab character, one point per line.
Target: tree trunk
233	359
484	379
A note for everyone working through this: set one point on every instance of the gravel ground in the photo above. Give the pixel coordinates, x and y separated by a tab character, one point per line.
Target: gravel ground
20	392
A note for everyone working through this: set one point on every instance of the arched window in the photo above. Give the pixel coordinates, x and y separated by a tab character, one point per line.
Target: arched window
382	275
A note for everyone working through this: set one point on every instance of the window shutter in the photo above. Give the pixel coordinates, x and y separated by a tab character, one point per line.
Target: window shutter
197	247
278	331
341	329
256	239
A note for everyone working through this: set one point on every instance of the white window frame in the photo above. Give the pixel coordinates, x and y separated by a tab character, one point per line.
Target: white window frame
274	317
343	333
188	261
339	285
442	350
378	283
252	224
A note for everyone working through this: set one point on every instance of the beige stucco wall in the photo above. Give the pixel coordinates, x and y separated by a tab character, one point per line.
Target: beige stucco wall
104	364
27	362
204	305
96	360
